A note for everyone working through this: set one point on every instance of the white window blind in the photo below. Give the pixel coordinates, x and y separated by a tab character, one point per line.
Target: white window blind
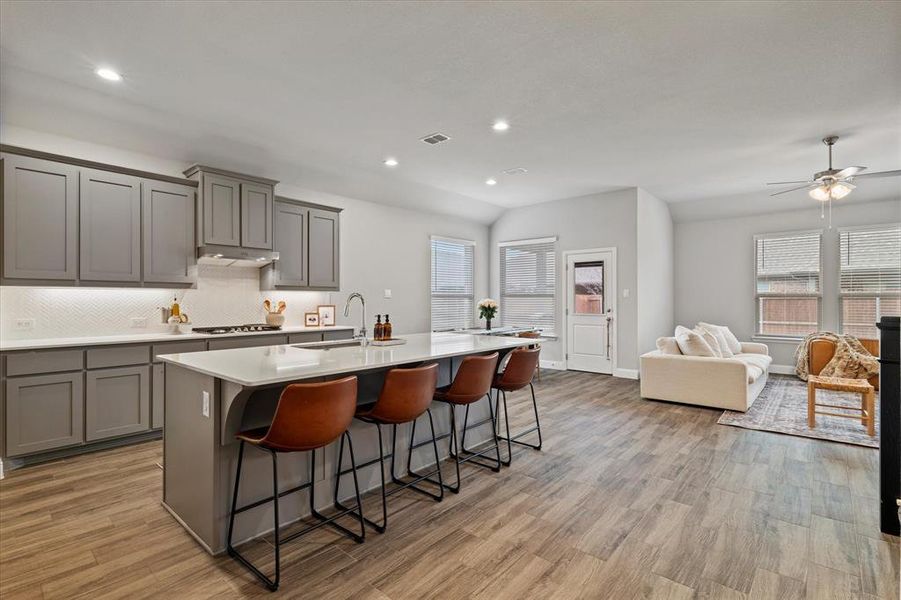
787	283
528	273
869	277
452	300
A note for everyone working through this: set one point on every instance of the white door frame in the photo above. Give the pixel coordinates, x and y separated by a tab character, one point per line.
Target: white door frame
609	298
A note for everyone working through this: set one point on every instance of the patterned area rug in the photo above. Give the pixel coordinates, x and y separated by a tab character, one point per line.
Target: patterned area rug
782	407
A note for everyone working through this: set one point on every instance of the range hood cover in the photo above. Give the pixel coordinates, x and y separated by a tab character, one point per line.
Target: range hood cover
234	256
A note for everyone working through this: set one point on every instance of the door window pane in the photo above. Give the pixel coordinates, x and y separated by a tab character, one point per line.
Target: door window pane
588	288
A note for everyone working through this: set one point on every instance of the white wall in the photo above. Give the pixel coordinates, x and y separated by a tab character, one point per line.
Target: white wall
655	271
715	265
594	221
382	248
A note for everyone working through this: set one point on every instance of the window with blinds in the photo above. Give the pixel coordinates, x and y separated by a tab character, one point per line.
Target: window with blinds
787	283
869	277
452	302
528	284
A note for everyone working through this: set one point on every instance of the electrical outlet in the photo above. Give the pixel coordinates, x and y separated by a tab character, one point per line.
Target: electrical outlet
387	293
24	324
205	410
139	322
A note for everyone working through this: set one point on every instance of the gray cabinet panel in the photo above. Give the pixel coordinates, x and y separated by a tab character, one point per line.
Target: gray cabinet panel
44	412
256	216
221	210
110	218
159	396
290	270
303	338
168	222
248	342
117	356
340	334
44	361
40	219
117	402
323	248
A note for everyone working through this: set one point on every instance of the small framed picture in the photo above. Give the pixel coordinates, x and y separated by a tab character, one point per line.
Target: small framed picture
326	314
311	319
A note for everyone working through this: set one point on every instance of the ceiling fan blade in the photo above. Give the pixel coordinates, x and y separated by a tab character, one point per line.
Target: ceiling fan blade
794	189
879	174
786	182
849	172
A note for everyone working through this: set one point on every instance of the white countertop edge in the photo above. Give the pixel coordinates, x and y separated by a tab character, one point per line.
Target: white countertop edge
146	338
512	342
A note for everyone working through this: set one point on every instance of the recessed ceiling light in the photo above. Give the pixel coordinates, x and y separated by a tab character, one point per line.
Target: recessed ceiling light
491	181
390	162
108	74
500	125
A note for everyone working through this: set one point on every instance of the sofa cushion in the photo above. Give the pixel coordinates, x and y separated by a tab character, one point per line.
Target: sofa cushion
668	345
692	344
757	364
717	332
711	341
731	340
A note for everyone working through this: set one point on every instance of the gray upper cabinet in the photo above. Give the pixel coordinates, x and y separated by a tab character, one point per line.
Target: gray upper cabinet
323	248
221	210
110	218
40	219
291	245
168	220
256	216
44	412
117	402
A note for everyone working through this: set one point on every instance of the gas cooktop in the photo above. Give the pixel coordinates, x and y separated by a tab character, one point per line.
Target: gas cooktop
218	330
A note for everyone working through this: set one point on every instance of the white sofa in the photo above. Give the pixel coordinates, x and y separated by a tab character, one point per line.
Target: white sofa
729	383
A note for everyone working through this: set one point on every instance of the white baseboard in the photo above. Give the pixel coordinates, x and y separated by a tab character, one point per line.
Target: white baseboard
626	373
557	365
782	369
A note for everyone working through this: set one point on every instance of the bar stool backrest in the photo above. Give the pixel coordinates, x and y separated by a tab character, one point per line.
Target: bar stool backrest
520	368
312	415
406	394
473	379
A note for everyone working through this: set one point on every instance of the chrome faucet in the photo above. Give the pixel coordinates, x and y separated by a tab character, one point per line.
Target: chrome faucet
363	340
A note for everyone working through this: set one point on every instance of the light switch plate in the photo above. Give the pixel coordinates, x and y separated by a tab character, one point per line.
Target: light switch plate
206	404
626	293
24	324
387	293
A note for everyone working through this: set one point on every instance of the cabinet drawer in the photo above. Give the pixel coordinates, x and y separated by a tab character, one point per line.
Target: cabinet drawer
118	356
302	338
44	361
340	334
178	348
248	342
117	402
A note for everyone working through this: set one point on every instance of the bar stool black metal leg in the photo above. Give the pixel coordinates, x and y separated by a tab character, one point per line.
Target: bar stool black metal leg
359	538
275	522
472	455
231	516
413	475
514	439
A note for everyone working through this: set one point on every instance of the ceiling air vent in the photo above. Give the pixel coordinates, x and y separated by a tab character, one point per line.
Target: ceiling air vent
515	171
435	138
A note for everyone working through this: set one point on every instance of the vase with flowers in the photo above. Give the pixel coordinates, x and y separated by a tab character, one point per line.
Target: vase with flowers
487	310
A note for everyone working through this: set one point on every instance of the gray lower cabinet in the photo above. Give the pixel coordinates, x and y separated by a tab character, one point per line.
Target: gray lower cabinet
159	396
248	342
117	402
44	412
323	248
221	210
40	219
256	216
168	222
110	233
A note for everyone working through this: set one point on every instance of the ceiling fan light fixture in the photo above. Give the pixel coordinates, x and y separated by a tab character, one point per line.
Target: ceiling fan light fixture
820	193
831	191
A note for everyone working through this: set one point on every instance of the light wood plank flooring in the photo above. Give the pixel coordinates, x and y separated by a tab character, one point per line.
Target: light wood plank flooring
629	499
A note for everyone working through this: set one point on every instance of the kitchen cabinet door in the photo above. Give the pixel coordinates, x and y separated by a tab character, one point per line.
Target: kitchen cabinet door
323	249
159	396
117	402
44	412
221	210
291	244
110	218
40	219
256	216
168	232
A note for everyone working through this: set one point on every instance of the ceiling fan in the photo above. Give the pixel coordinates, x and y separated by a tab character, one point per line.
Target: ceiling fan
832	184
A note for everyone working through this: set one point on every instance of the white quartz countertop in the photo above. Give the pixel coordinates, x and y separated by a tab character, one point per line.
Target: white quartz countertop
145	338
265	365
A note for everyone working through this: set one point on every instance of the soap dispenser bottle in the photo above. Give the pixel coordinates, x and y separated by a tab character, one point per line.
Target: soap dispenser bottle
377	330
386	329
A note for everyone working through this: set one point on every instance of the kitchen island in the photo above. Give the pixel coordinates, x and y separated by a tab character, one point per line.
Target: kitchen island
212	395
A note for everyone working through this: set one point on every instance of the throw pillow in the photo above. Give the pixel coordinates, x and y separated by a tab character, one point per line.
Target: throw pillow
691	343
668	345
731	340
711	341
717	332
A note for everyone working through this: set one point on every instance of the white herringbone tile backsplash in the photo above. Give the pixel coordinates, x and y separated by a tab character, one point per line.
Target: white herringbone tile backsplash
223	296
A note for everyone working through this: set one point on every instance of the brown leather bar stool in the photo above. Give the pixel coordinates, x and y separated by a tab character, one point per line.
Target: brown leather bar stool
517	375
406	395
309	416
533	335
471	383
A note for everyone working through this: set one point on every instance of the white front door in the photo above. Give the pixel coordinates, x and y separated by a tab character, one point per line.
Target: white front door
590	310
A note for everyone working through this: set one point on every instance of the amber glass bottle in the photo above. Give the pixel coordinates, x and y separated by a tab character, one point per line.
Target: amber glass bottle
386	329
378	329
